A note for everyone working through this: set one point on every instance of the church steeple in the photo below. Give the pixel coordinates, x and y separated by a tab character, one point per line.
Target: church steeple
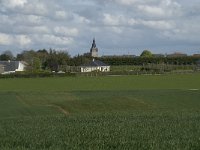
93	44
94	49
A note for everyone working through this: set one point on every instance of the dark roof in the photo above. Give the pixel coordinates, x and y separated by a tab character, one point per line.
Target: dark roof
198	62
95	63
9	65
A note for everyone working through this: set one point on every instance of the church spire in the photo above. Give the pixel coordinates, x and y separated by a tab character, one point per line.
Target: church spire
94	49
94	43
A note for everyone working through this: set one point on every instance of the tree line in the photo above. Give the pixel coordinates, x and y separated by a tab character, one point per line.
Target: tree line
187	60
55	60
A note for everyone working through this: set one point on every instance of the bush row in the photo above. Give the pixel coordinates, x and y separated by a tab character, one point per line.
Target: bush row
189	60
35	75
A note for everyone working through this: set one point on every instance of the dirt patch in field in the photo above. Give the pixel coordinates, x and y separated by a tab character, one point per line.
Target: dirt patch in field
59	108
193	89
20	99
139	101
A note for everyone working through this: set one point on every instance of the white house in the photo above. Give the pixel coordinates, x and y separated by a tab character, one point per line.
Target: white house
1	69
95	65
8	67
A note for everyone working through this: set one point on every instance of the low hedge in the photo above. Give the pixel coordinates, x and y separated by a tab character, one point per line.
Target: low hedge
35	75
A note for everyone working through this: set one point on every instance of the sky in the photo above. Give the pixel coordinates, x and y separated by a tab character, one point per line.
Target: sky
119	26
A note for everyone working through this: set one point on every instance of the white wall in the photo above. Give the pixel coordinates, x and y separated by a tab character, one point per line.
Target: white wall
100	68
105	69
21	67
1	69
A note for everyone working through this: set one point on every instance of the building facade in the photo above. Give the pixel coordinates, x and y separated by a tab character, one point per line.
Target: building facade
95	65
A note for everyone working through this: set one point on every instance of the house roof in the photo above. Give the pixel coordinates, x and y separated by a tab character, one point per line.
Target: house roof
198	62
95	63
9	65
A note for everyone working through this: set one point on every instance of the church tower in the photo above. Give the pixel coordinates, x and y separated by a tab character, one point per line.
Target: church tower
94	49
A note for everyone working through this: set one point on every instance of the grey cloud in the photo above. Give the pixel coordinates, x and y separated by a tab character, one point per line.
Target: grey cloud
120	26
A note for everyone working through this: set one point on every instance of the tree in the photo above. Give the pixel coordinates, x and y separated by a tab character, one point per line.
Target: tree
6	55
57	60
42	55
146	53
63	57
27	56
36	64
80	60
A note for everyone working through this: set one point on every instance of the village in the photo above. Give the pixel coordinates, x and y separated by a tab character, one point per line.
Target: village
61	62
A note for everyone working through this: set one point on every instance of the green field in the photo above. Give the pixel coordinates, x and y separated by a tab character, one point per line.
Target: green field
111	112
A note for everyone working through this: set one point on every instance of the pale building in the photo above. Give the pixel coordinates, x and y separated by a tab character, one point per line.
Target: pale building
95	65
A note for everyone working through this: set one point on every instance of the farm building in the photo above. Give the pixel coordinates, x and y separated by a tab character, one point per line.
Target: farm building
7	67
95	65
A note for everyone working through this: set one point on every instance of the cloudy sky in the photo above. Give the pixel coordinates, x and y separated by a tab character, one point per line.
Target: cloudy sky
119	26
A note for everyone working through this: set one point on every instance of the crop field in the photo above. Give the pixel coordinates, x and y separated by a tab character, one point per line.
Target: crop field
111	112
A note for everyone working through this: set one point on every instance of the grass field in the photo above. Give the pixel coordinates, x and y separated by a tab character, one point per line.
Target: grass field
113	112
